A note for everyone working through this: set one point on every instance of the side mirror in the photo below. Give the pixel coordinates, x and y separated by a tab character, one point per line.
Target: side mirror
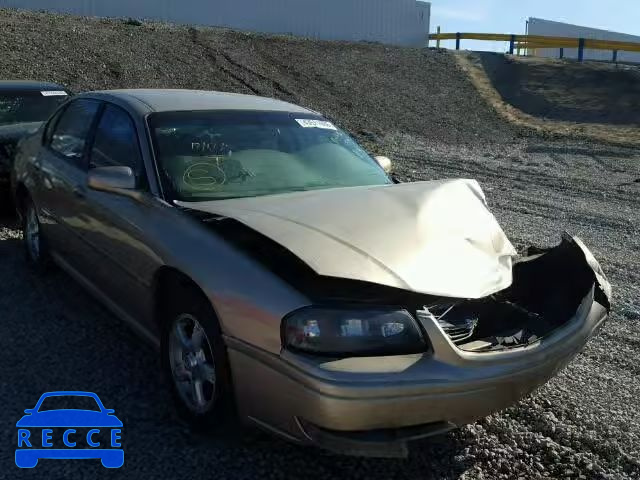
29	411
385	163
119	180
109	411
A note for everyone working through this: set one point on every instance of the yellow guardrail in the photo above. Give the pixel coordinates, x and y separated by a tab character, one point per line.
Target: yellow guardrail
531	42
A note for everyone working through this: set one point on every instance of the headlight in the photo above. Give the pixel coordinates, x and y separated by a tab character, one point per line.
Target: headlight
352	332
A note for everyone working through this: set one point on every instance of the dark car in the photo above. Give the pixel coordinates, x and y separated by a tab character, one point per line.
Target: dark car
24	105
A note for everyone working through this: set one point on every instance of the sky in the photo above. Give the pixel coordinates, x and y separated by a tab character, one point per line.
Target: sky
509	16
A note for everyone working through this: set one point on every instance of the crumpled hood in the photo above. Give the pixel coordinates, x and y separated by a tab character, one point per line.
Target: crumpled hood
434	237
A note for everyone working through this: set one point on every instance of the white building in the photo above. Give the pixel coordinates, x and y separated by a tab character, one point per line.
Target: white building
538	26
399	22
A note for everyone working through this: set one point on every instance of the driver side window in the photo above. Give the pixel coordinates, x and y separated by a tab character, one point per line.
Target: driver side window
116	142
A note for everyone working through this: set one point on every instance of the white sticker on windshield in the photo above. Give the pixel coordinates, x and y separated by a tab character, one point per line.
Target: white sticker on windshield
310	123
54	93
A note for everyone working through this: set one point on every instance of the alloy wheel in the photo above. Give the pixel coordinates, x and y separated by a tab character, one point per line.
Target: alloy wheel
192	363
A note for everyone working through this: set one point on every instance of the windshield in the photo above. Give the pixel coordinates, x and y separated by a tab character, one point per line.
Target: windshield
218	155
28	106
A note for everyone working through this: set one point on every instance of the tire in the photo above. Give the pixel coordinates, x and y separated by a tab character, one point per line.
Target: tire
198	353
35	245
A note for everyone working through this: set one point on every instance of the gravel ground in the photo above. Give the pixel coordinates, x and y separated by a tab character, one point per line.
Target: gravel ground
410	104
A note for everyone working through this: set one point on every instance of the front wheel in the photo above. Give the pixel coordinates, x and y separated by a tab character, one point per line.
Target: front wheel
194	359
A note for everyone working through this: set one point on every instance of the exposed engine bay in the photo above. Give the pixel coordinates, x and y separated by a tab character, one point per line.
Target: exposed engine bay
548	287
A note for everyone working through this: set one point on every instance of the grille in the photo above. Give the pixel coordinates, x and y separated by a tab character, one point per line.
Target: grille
458	333
457	327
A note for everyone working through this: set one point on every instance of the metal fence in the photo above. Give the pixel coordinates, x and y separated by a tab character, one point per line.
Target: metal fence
527	44
400	22
538	26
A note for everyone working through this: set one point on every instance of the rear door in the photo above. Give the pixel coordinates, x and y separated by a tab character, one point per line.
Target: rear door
62	180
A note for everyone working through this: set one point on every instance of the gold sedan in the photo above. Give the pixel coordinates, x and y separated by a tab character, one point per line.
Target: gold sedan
288	279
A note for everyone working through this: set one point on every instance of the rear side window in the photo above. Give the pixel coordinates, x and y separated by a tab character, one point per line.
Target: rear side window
70	134
116	141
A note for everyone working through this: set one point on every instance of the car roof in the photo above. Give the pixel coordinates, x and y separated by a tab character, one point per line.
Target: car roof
29	85
170	100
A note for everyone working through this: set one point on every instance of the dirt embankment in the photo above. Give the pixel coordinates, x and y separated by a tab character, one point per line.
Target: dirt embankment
600	101
369	89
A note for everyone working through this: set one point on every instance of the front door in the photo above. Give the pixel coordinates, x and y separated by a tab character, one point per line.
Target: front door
123	264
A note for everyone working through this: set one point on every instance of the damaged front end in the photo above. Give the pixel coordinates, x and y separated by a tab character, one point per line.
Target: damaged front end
549	287
431	248
479	357
417	314
367	367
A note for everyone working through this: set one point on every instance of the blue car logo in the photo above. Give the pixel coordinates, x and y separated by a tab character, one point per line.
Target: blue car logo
97	428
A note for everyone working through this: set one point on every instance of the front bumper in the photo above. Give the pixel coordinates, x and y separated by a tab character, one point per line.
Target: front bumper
373	406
